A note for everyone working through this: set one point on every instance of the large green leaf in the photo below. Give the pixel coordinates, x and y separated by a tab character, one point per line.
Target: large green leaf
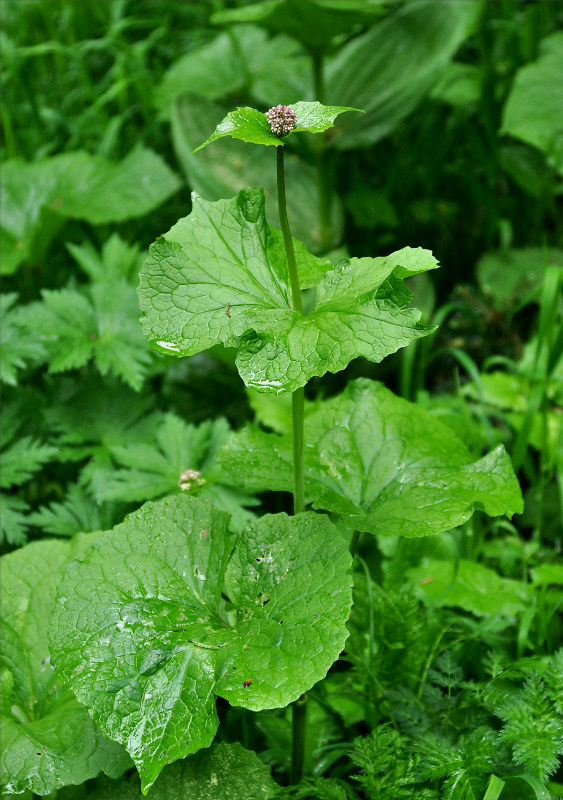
385	465
221	772
470	586
273	69
48	738
313	23
388	70
513	277
36	197
170	642
534	109
230	165
221	274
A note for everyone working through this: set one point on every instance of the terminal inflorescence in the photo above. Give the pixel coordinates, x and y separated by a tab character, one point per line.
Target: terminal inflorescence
282	119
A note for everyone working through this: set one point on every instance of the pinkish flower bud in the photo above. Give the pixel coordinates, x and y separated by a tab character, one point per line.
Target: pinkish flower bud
282	119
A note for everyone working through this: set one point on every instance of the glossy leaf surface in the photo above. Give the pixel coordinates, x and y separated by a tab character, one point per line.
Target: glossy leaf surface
251	125
220	274
48	738
384	465
170	643
221	772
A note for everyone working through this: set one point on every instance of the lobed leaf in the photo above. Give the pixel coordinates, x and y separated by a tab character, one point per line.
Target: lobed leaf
220	275
383	464
170	644
20	347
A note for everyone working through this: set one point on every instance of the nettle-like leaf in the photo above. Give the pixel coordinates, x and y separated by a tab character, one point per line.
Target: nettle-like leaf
101	324
251	125
19	347
534	725
77	513
117	259
383	464
22	459
221	772
13	520
170	643
48	738
221	275
182	458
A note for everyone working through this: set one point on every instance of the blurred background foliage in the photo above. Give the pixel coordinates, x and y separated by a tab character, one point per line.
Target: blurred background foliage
460	150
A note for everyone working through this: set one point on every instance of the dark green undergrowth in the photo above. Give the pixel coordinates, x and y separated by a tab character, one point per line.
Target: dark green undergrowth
424	585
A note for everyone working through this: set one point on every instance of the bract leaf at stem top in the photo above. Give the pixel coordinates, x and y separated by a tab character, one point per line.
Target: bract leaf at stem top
251	125
383	464
170	642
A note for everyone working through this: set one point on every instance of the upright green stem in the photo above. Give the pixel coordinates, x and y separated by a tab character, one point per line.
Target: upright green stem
287	240
298	403
298	398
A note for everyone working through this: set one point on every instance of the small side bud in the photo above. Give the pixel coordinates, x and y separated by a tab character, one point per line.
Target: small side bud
282	119
191	479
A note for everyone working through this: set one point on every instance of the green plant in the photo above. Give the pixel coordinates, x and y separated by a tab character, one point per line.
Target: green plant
190	611
451	636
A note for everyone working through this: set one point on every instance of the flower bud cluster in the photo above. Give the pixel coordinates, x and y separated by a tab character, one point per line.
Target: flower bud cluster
282	119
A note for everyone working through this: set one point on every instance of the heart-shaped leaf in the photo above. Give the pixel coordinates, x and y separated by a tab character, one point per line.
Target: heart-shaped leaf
221	274
146	639
384	464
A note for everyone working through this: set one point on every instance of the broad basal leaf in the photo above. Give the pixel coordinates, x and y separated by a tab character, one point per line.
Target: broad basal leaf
251	125
220	274
534	109
388	70
48	738
513	277
385	465
470	586
170	642
243	60
180	458
314	23
221	772
37	197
